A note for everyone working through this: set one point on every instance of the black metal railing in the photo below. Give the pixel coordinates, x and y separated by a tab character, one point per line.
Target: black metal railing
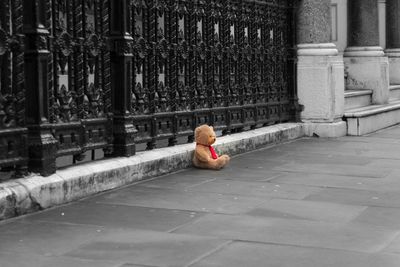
79	76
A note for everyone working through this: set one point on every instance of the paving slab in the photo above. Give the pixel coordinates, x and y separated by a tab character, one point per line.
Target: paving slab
388	218
389	183
134	265
344	144
181	180
392	164
44	238
349	236
391	133
308	210
306	157
232	172
346	148
358	197
8	259
260	189
384	154
147	247
239	254
335	169
374	138
180	200
394	246
389	136
104	215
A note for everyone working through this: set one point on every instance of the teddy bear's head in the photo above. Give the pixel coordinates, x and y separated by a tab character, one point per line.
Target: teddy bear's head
204	135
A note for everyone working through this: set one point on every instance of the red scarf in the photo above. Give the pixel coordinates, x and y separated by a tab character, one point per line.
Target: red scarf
214	155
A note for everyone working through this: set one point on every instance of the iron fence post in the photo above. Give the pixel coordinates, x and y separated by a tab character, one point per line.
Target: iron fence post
121	77
42	145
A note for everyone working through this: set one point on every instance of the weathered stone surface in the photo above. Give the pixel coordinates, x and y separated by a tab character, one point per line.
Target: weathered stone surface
129	217
350	236
145	247
182	200
358	197
239	254
392	23
44	238
262	190
321	77
234	173
363	23
380	216
15	200
335	169
369	73
313	25
308	210
387	184
394	246
29	194
29	260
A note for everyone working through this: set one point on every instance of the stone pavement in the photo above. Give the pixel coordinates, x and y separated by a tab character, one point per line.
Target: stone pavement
310	202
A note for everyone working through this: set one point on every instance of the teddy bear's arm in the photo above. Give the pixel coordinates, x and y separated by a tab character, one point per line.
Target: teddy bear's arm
201	156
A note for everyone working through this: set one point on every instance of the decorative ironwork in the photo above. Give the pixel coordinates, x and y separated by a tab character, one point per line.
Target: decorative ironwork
81	76
113	74
12	96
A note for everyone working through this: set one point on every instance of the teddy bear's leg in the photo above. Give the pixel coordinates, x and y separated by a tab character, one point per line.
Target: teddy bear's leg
226	159
210	164
221	161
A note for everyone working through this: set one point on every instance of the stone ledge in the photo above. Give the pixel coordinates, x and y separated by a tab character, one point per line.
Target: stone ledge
372	110
394	92
29	194
357	98
354	92
361	125
394	87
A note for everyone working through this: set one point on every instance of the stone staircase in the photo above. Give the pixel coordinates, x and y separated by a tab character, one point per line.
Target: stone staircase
363	117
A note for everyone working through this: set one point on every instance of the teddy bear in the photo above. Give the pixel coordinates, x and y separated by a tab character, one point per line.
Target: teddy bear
204	154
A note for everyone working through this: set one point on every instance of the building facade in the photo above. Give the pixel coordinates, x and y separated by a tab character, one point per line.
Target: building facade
102	78
348	65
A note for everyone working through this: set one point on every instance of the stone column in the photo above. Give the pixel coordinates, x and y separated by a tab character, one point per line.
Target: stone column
366	64
320	71
393	39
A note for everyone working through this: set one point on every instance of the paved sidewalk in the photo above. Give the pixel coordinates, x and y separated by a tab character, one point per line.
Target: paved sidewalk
311	202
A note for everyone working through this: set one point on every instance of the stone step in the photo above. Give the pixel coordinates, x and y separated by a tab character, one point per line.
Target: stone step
357	98
394	90
368	119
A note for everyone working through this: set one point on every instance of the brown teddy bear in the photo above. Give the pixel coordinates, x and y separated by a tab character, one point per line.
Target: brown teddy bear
204	154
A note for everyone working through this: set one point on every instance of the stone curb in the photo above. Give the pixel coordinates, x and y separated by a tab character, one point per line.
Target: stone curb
29	194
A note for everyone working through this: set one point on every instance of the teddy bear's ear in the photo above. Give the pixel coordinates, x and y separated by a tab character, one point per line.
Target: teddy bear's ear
211	128
197	132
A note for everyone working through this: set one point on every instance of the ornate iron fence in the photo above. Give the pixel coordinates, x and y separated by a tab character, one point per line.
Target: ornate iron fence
82	75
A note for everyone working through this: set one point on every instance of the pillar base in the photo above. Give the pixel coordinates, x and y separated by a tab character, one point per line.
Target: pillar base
326	49
394	65
320	75
324	129
124	134
42	149
368	68
364	51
